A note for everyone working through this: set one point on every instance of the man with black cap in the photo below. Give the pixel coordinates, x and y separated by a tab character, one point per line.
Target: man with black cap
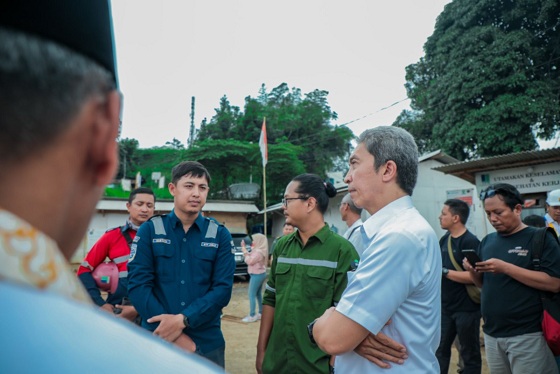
59	115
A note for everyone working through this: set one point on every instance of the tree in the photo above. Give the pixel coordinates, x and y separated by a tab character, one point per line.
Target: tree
128	149
489	82
300	120
174	144
232	161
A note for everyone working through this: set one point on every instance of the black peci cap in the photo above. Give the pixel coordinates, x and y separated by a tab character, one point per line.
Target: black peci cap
84	26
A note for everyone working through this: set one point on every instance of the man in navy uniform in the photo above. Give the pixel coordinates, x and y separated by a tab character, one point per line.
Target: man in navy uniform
180	272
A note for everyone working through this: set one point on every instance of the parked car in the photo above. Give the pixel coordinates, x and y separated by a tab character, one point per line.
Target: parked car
240	265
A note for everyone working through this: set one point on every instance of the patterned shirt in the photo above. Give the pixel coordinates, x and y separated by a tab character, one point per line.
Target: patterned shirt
29	257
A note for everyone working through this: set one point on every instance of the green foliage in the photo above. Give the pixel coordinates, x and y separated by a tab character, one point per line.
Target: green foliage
232	161
300	139
174	144
303	121
489	82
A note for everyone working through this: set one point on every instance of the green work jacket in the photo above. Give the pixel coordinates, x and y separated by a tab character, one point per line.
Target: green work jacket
304	281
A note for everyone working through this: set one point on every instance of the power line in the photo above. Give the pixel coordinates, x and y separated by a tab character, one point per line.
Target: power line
377	111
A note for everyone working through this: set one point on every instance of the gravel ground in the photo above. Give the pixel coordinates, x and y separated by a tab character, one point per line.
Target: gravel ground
241	338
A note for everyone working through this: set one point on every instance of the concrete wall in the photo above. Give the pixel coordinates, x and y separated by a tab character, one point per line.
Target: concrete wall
431	192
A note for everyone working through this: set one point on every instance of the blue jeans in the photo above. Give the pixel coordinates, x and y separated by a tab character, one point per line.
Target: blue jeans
466	326
256	284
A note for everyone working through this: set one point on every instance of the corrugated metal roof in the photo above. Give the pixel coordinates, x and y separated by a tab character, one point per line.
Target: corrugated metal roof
439	156
467	169
166	206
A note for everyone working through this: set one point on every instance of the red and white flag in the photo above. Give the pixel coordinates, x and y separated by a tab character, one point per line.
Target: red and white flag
263	144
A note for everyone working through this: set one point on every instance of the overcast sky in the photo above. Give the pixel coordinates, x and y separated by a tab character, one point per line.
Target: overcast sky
169	51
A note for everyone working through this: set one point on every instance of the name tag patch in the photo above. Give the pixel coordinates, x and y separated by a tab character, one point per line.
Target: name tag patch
212	245
161	240
133	248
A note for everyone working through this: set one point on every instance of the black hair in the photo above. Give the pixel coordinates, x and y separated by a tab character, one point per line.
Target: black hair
534	220
510	195
311	185
140	190
460	208
194	168
44	86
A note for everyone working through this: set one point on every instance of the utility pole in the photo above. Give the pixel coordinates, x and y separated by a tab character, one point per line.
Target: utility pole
190	141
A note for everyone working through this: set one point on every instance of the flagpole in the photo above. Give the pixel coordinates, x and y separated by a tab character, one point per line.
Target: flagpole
264	187
264	175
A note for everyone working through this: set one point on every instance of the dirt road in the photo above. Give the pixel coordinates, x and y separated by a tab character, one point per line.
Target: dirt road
241	338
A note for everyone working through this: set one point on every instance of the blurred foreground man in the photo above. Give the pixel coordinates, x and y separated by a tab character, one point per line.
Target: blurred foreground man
59	115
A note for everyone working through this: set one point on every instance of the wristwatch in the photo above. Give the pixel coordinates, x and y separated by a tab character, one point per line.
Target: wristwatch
310	331
186	322
444	272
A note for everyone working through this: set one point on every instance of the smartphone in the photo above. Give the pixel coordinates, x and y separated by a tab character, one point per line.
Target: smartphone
471	255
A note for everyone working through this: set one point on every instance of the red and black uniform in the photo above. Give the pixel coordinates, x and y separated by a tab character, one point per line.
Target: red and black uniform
115	245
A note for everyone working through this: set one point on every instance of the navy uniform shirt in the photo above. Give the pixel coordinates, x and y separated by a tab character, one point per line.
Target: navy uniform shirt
172	272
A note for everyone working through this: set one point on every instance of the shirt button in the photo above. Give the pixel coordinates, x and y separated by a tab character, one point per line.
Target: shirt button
182	282
182	303
184	239
183	261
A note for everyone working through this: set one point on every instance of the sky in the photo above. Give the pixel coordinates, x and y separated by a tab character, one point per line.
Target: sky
357	50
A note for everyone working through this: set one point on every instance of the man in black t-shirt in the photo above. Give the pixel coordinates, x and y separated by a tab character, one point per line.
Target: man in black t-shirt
511	305
460	316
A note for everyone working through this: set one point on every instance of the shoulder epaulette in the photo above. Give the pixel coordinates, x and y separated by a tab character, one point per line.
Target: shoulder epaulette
157	215
159	228
214	220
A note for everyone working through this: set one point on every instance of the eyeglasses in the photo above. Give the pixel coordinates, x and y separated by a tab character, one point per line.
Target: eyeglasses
487	193
286	200
492	191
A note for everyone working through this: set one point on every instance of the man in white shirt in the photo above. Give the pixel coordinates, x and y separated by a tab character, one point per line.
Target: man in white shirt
399	275
351	214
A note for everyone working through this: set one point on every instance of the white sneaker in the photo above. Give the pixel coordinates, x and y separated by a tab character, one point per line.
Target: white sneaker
248	319
259	316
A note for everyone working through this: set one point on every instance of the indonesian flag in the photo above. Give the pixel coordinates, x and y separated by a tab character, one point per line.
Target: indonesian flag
263	144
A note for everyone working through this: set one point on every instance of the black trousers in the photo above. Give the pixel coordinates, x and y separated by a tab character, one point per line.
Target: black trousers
466	326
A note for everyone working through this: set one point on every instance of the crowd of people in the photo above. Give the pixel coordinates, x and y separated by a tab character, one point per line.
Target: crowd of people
385	296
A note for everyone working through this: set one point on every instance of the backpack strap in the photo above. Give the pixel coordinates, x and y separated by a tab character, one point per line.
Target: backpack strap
126	235
537	245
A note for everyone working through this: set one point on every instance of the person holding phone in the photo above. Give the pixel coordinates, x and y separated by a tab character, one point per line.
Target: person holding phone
460	315
511	303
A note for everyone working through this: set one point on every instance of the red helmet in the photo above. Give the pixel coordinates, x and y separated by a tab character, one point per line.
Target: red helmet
106	276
